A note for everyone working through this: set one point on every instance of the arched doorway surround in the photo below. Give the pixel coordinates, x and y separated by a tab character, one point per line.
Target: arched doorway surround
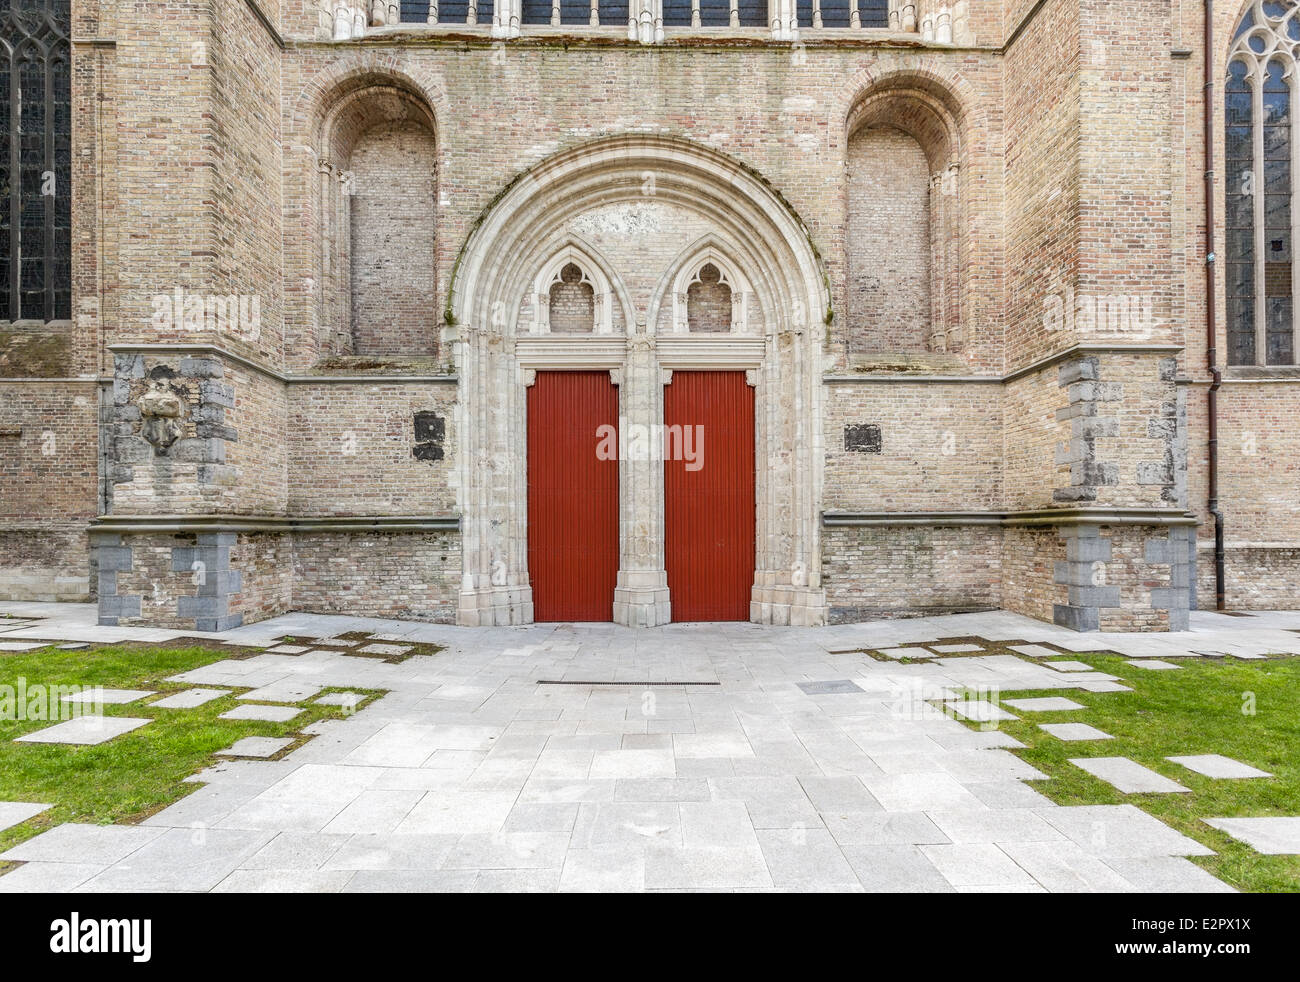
643	190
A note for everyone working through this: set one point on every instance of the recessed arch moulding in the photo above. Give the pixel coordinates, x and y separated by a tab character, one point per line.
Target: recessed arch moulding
639	216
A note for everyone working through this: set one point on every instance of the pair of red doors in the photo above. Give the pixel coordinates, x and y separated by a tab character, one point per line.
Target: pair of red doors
573	495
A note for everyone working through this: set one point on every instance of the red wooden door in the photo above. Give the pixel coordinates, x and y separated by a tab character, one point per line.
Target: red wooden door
572	496
709	500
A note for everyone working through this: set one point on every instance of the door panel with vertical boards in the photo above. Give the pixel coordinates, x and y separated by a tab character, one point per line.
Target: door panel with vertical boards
709	500
572	497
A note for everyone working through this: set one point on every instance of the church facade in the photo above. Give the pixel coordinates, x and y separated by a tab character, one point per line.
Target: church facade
796	311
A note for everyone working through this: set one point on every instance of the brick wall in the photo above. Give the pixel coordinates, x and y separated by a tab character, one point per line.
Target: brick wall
48	488
414	576
393	197
939	450
888	244
355	450
881	571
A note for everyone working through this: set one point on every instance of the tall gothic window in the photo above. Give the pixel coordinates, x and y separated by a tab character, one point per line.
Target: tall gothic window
1259	99
35	160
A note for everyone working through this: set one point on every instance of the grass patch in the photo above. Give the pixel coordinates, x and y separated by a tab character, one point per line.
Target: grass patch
1197	709
137	774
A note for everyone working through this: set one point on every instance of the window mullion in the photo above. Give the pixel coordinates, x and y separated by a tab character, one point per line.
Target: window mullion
1257	203
49	201
1292	86
15	188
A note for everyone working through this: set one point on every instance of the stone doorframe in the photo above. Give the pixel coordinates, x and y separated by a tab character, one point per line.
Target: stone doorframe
496	276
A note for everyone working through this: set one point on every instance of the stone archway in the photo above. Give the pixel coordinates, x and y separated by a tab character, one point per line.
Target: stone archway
662	194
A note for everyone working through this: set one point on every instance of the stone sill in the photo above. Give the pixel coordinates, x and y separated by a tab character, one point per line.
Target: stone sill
1037	517
1261	373
574	35
207	524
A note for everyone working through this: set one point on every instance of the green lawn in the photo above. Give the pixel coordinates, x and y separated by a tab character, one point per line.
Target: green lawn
134	775
1197	709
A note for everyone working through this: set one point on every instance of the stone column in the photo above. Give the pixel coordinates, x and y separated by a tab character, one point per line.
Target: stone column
787	580
641	594
506	18
494	585
784	20
645	21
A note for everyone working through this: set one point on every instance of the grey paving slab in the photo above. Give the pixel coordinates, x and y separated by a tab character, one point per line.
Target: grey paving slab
611	869
1064	867
1128	775
1120	831
980	865
839	794
296	851
385	649
837	687
401	851
281	815
1167	874
40	877
632	763
508	851
85	730
997	826
374	811
411	881
517	881
19	645
906	652
179	860
605	824
884	829
1074	732
459	812
1068	666
1271	835
662	789
270	714
1034	650
86	844
14	812
255	747
283	690
346	699
954	648
284	881
806	859
95	695
1216	765
916	792
670	867
1154	664
896	868
190	698
1045	704
979	710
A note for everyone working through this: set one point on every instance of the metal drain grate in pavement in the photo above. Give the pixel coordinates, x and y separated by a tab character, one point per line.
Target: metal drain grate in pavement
639	685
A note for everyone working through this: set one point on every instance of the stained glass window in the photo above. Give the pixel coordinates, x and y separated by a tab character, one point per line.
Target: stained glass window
1259	179
35	160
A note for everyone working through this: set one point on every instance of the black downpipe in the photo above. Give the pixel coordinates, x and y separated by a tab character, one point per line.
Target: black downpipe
1211	332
